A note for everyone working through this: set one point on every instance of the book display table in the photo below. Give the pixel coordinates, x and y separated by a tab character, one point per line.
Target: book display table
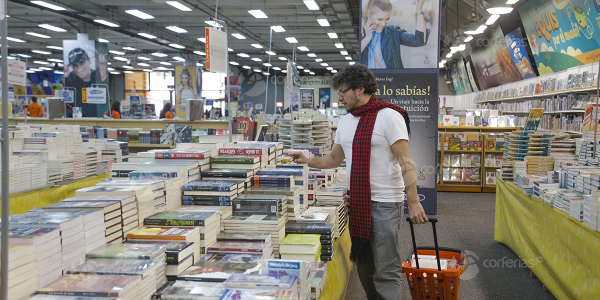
338	269
561	251
24	202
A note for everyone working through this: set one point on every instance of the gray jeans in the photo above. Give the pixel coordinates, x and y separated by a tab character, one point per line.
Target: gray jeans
381	278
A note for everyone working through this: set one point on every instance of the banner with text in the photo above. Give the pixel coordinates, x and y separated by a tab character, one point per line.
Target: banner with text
518	53
216	50
562	34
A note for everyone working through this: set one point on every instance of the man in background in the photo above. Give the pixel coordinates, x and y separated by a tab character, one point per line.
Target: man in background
82	76
34	109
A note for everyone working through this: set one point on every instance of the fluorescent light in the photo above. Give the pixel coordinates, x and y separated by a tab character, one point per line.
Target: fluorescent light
332	35
139	14
256	59
161	68
323	22
449	55
103	41
267	65
468	39
39	62
229	49
176	29
325	64
492	19
177	46
257	70
143	64
178	58
179	5
45	68
278	28
41	52
55	60
291	40
127	67
306	70
303	48
147	70
319	60
143	58
52	27
48	5
256	46
311	4
311	55
257	13
120	58
30	71
107	23
300	67
282	58
339	45
202	40
344	52
499	10
12	39
270	53
165	63
54	47
243	55
146	35
441	65
351	63
129	48
212	23
25	55
116	52
238	36
348	58
329	68
443	61
277	68
479	30
199	52
511	2
110	69
128	72
233	63
199	64
247	67
266	73
34	69
59	72
38	35
332	71
284	71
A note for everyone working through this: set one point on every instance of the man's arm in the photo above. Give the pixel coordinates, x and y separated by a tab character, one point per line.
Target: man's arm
415	210
332	160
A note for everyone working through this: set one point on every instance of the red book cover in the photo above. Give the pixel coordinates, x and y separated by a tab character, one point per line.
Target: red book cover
241	151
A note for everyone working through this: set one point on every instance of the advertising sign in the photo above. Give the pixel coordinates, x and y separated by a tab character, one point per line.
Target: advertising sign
94	95
216	50
185	88
471	78
16	72
66	94
308	97
562	34
460	78
518	53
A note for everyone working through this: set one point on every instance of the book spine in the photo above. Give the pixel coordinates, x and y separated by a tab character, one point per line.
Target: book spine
172	257
232	160
308	231
206	188
273	184
279	173
171	222
241	151
80	294
206	198
225	174
209	203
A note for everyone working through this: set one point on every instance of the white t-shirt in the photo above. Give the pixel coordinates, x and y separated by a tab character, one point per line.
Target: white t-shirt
387	184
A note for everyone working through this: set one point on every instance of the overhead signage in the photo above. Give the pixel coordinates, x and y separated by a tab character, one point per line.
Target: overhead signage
216	50
68	95
93	95
16	72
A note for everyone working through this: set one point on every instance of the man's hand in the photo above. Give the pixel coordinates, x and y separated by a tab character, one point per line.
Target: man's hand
420	6
299	158
66	70
416	212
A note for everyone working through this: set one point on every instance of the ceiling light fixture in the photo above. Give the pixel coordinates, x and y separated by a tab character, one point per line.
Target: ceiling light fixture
499	10
323	22
282	58
243	55
127	67
468	39
56	60
52	27
41	52
179	5
344	52
128	72
256	46
325	64
257	70
101	40
266	73
441	65
25	56
284	71
277	68
54	47
443	61
492	19
106	23
270	53
332	35
165	63
479	30
339	45
147	70
229	49
199	52
139	14
178	58
199	64
129	48
348	58
143	58
176	29
332	71
319	60
278	28
39	62
212	23
115	73
146	35
158	54
233	63
303	48
256	59
311	4
291	40
203	40
177	46
257	13
511	2
267	65
120	58
48	5
116	52
449	55
311	55
12	39
38	35
329	68
143	64
247	67
351	63
238	36
300	67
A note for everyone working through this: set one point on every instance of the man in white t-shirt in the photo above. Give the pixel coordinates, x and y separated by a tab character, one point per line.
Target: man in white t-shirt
379	176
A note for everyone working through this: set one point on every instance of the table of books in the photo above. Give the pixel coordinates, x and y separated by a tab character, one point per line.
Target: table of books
24	202
338	269
561	251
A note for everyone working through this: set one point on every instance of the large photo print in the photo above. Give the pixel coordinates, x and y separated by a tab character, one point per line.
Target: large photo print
399	34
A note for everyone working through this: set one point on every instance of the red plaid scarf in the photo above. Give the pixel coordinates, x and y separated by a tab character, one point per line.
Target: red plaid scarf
360	175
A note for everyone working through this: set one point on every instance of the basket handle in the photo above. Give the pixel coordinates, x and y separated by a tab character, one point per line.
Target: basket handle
433	221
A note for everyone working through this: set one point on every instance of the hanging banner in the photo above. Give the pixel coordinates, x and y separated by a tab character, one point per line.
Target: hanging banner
397	35
471	78
216	50
460	79
518	53
94	95
295	98
185	88
308	98
562	34
324	98
16	72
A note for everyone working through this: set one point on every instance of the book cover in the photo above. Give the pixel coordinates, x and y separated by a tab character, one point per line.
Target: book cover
477	121
32	236
116	266
215	271
301	239
90	285
454	143
477	145
233	258
241	151
280	172
232	247
258	281
107	206
490	144
309	228
191	290
252	237
176	251
211	185
136	251
234	160
240	173
167	234
181	154
208	198
188	218
241	294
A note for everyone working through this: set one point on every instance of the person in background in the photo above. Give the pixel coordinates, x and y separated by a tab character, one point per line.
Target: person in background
115	111
166	113
34	109
102	66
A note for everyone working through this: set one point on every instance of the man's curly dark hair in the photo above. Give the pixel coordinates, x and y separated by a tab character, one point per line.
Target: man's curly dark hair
355	76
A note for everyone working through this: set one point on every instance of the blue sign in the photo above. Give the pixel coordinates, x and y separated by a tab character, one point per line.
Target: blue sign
518	53
135	99
66	94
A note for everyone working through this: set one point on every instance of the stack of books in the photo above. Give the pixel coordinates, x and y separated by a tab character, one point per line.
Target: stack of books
192	167
208	271
292	195
591	210
180	255
274	147
317	279
331	196
338	216
211	192
183	290
241	286
151	187
229	175
252	204
313	186
174	181
325	232
92	285
539	165
206	222
321	132
116	227
102	167
539	188
72	231
269	148
258	223
224	212
235	162
301	180
48	254
282	268
22	271
63	165
262	249
570	202
262	153
519	167
301	247
191	236
79	164
122	170
201	156
563	152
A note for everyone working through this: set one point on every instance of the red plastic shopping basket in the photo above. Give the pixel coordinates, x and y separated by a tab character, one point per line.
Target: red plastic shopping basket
434	284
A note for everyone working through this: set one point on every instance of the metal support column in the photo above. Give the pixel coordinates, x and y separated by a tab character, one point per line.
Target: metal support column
5	172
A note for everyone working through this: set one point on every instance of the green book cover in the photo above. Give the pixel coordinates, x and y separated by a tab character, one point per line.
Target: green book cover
302	239
233	160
